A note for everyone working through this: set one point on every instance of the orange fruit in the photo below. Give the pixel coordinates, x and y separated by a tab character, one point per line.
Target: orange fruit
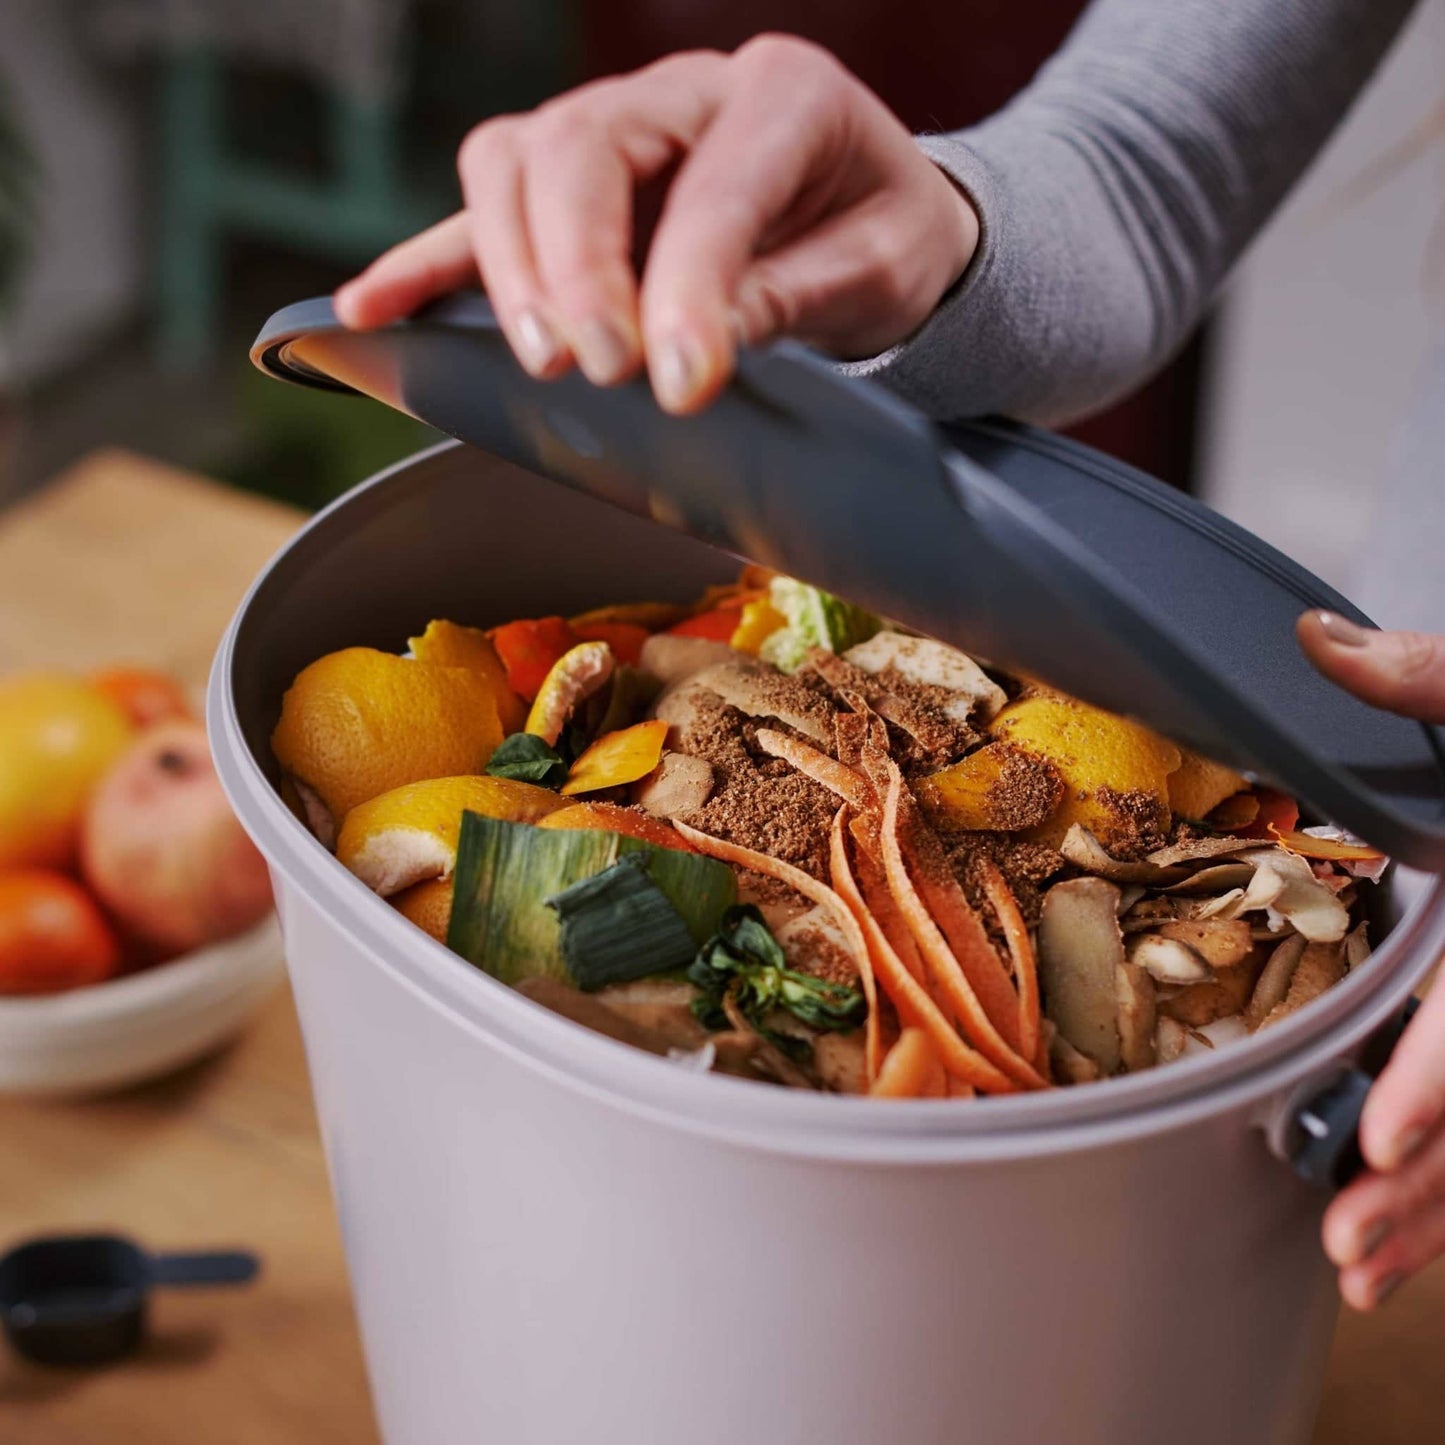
1198	786
143	694
58	735
570	681
448	644
410	833
428	905
611	818
52	934
358	723
1097	754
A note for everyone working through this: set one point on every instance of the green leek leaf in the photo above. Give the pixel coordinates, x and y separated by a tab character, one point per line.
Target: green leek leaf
507	872
619	925
814	619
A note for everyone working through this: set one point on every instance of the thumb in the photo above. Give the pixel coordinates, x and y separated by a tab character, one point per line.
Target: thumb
1402	672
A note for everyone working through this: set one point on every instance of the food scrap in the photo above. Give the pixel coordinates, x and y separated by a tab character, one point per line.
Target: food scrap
774	836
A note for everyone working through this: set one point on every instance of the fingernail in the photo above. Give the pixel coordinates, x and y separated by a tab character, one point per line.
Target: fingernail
1341	631
341	301
675	373
601	352
1387	1286
1408	1144
536	342
1372	1238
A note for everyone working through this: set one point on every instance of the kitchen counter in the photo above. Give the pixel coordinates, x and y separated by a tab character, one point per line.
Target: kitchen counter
125	560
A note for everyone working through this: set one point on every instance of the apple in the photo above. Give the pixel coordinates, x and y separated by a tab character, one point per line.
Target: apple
163	852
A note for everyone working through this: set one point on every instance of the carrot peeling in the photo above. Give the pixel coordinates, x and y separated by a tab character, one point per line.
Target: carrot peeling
815	892
955	917
948	976
818	766
916	1007
911	1070
1021	950
1324	848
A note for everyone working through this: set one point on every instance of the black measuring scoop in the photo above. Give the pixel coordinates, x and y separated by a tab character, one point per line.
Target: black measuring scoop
81	1299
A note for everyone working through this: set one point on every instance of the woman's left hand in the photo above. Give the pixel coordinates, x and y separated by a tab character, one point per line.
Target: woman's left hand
1391	1221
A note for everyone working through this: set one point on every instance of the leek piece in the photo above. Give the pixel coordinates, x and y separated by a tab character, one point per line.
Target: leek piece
814	619
506	872
619	925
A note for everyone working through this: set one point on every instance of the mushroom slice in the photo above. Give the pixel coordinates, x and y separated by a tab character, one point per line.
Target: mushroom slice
1170	1039
1300	898
1357	945
1321	966
671	659
1085	851
1225	906
592	1013
1129	895
1222	996
1134	991
1220	942
1069	1066
1149	913
1080	950
932	664
840	1061
1192	849
760	692
678	785
1221	878
1274	982
1166	960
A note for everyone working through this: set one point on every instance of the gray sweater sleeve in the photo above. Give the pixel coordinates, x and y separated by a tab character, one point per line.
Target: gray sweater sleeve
1117	190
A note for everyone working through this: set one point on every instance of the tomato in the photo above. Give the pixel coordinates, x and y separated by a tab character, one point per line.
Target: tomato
529	648
145	695
624	638
718	625
53	935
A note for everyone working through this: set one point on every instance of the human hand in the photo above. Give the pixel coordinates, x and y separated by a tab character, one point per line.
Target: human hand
1390	1222
792	202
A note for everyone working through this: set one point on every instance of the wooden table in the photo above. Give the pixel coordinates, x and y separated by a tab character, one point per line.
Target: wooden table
124	559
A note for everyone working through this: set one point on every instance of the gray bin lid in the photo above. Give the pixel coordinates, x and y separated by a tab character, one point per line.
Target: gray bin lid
1024	548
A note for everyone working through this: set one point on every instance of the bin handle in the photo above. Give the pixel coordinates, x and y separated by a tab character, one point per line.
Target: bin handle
1320	1139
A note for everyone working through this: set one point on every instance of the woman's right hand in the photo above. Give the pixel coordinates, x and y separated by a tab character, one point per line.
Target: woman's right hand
794	203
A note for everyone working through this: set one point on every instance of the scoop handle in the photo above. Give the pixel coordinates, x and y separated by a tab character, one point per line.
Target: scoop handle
213	1267
1322	1137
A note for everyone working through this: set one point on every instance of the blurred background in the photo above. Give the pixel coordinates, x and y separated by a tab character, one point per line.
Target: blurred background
180	168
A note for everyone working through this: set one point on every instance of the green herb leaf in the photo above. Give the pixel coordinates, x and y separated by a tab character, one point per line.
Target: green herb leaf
744	955
815	619
619	925
529	759
507	872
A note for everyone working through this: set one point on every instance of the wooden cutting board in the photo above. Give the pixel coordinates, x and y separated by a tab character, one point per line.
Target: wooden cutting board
124	559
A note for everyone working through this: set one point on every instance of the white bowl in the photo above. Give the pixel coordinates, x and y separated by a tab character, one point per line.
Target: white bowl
138	1027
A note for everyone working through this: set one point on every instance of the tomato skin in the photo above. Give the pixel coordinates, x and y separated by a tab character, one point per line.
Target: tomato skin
144	694
528	649
1276	811
624	638
717	625
53	935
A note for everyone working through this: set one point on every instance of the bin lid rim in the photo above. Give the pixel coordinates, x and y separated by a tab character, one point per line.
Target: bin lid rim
1016	545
